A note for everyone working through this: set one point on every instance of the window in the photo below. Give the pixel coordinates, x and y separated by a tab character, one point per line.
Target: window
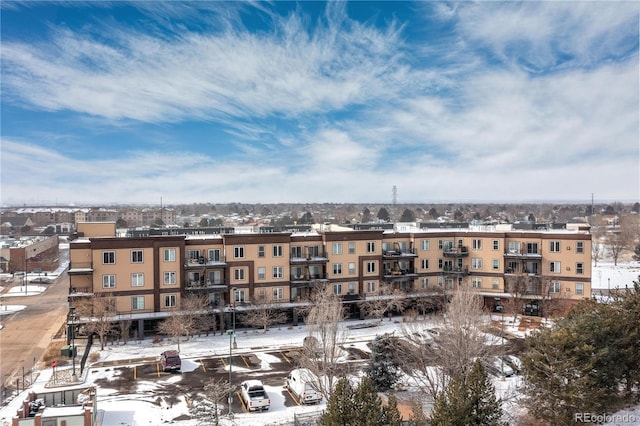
262	272
371	247
476	263
278	293
337	288
337	248
495	283
425	263
170	300
137	303
277	250
238	274
440	263
352	268
296	251
169	278
170	255
425	282
137	279
579	268
276	272
554	287
213	255
194	278
440	245
495	244
238	252
239	296
352	288
554	267
214	277
424	245
514	247
554	246
579	247
371	267
337	269
260	251
495	264
136	256
532	248
108	257
476	244
476	282
371	287
352	248
193	254
108	281
579	289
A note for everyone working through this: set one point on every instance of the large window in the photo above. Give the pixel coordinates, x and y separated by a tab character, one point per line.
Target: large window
371	286
495	283
514	247
351	247
424	245
554	246
170	255
477	244
425	263
476	263
337	248
239	296
579	247
137	279
278	293
476	282
213	255
277	250
238	274
371	247
170	300
137	303
262	272
554	267
554	287
337	288
371	267
238	252
579	289
108	281
136	256
277	272
532	248
337	269
108	257
169	278
352	268
193	254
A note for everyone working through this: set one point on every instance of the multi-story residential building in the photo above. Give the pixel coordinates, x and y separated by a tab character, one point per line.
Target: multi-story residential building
148	274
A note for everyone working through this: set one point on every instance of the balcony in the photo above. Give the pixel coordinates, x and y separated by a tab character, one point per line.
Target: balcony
203	262
301	280
522	254
455	270
80	268
399	273
398	253
195	285
314	258
461	251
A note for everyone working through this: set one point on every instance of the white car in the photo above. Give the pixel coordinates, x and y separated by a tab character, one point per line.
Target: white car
254	396
304	385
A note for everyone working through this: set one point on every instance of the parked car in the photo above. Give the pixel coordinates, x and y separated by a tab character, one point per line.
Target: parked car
41	280
304	385
498	367
254	396
170	361
514	362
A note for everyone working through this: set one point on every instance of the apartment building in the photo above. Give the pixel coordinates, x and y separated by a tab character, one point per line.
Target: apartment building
149	275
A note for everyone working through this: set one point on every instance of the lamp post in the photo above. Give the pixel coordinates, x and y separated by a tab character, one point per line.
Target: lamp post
233	315
230	399
26	280
72	332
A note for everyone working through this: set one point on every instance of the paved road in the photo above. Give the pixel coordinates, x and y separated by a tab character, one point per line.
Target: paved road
26	334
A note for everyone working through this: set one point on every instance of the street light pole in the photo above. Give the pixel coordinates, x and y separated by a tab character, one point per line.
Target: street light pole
233	308
72	330
230	399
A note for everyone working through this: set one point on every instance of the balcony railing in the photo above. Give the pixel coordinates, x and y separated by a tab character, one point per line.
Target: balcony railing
401	272
320	257
195	285
456	270
461	251
203	261
399	252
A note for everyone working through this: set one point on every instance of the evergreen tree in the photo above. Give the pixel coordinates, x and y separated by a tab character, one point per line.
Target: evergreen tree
418	418
390	413
468	400
408	216
369	406
366	215
340	407
383	214
383	368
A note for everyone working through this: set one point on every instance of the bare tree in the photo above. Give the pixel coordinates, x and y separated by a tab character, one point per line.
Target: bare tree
516	286
263	314
325	334
124	325
100	314
597	251
215	391
616	241
433	354
388	300
184	322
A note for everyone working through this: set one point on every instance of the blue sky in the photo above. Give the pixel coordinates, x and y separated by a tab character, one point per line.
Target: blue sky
128	102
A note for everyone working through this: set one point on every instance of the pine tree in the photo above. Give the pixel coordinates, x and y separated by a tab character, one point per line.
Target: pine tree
340	407
390	413
418	418
450	407
383	368
369	406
